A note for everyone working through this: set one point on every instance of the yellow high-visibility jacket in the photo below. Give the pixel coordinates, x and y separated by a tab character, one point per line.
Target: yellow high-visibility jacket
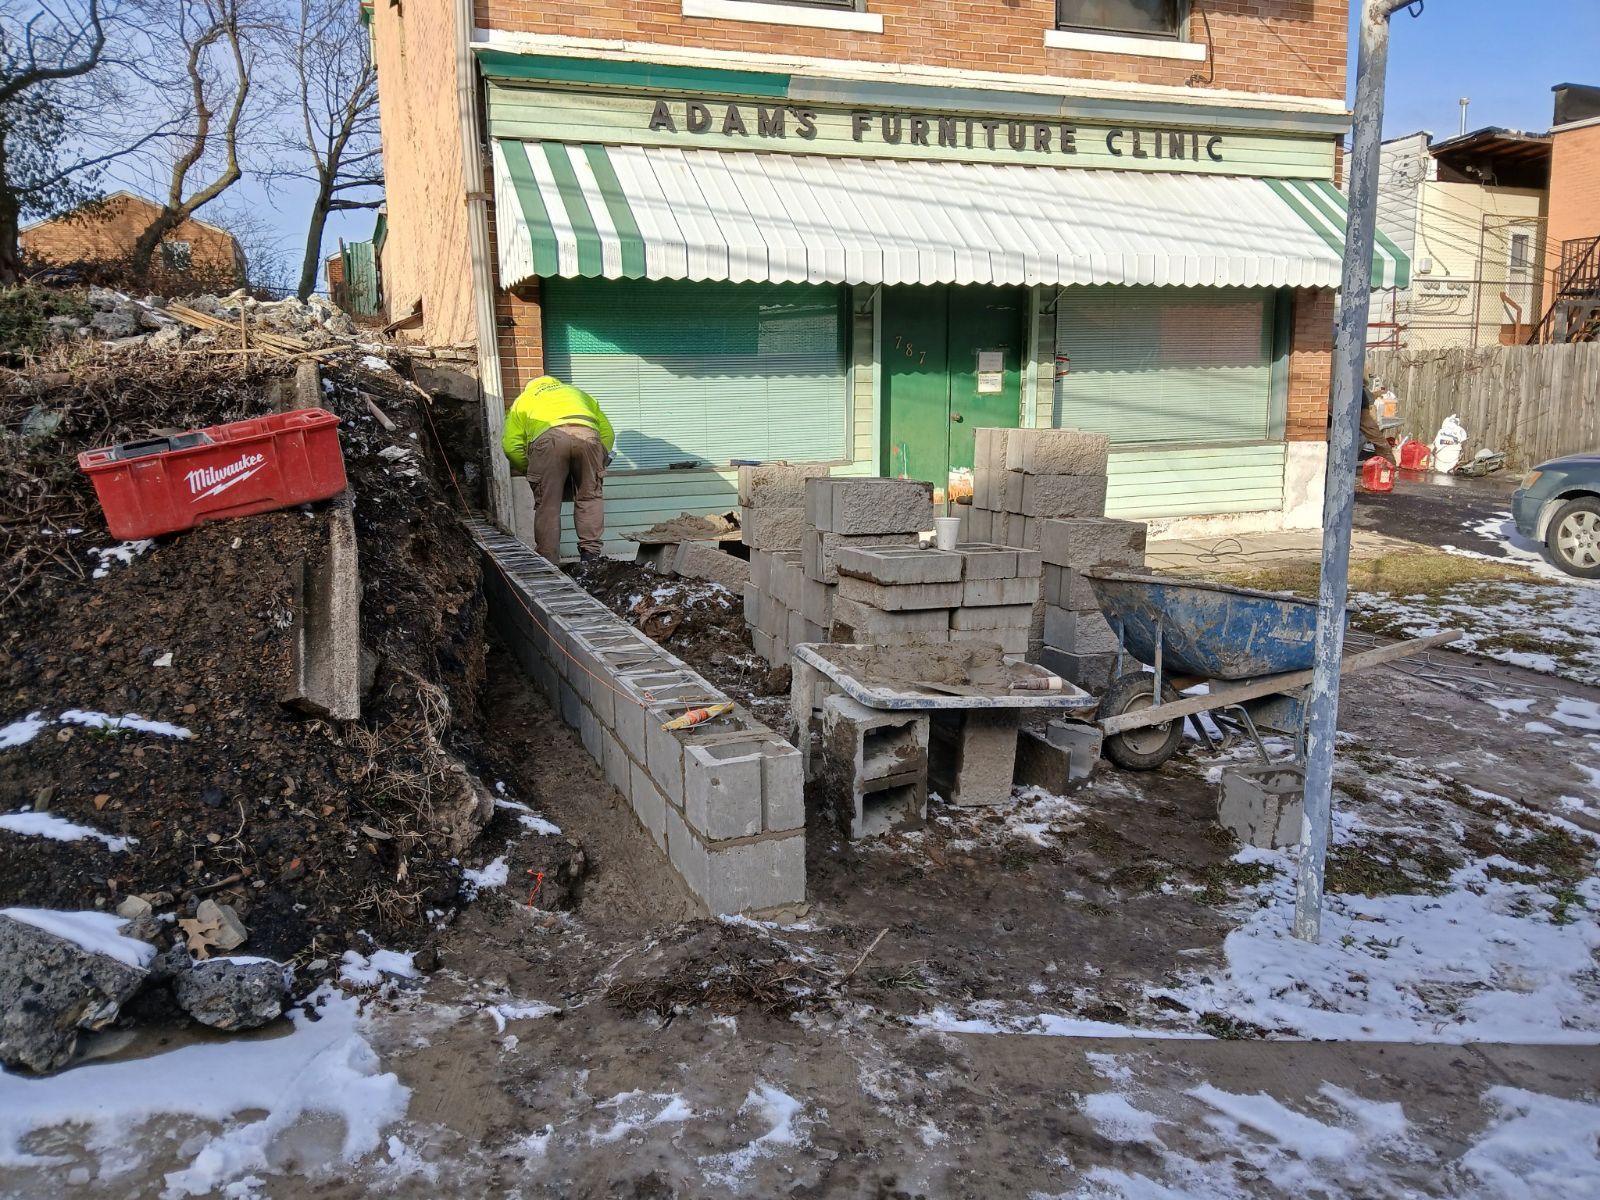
546	402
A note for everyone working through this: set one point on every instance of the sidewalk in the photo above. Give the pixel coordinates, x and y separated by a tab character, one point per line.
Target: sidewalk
1254	551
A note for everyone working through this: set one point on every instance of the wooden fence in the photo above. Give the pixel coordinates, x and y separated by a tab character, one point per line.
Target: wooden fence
1533	402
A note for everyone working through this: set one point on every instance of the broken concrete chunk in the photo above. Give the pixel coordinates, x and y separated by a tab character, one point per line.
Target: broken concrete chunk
232	993
61	973
1263	804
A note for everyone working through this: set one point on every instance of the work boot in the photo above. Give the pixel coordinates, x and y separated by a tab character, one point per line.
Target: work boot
590	556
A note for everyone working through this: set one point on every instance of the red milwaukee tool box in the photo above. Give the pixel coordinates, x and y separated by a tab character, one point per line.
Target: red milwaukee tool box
166	484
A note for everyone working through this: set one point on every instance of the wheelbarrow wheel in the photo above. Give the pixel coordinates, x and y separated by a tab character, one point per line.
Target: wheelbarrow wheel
1138	749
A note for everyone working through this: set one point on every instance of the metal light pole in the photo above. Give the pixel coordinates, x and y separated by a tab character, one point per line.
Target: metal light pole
1349	354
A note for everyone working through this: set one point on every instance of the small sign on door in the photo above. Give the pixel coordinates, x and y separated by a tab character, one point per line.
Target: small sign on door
991	372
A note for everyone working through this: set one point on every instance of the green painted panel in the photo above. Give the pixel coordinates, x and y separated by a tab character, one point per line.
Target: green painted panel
916	383
984	321
1185	482
705	372
538	114
501	64
1152	364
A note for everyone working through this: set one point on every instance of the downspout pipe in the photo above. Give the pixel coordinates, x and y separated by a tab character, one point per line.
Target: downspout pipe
490	385
1349	357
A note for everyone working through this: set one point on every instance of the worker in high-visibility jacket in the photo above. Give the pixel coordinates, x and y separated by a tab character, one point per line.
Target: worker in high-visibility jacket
556	434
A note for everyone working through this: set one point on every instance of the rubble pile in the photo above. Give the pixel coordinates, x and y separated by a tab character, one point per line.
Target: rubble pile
151	772
124	322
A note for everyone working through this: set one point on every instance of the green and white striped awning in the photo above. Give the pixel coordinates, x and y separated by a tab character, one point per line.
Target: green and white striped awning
632	212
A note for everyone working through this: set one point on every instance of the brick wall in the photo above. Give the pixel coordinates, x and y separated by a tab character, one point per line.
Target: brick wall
107	232
1293	47
1310	365
425	258
1574	194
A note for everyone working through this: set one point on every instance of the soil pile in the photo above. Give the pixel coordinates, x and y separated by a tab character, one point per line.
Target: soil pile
140	684
702	623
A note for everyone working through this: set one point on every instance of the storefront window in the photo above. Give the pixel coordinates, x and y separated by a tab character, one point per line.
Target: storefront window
703	373
1142	18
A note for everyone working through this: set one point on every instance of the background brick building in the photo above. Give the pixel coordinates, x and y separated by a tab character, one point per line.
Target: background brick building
461	78
194	256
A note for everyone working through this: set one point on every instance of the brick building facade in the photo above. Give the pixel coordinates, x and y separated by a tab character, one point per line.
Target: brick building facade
194	252
586	176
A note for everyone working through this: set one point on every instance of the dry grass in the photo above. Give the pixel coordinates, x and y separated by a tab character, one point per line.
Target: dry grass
1422	573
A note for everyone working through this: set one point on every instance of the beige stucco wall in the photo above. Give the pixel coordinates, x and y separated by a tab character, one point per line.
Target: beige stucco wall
1465	229
425	257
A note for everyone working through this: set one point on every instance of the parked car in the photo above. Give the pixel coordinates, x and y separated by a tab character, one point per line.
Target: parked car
1558	506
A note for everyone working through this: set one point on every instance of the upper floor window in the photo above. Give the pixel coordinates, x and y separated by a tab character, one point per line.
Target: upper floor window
175	256
1136	18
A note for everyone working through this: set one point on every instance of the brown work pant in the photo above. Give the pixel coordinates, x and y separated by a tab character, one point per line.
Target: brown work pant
559	454
1372	432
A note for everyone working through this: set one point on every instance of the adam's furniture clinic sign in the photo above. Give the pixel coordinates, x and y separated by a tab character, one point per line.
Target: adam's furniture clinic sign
772	126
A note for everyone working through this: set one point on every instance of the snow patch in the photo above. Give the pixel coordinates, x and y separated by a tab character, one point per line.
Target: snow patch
322	1068
531	1011
364	970
57	829
129	721
121	554
1540	1146
942	1020
96	932
21	732
640	1111
781	1113
486	878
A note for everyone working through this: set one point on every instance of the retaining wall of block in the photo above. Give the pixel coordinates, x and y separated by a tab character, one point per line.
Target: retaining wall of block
724	801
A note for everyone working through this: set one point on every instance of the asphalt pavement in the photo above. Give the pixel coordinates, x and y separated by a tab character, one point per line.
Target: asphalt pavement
1438	510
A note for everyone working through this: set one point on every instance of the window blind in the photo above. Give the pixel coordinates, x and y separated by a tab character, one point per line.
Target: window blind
704	371
1162	365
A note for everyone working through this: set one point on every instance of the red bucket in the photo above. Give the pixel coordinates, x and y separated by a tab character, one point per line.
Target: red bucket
1415	455
1377	474
172	483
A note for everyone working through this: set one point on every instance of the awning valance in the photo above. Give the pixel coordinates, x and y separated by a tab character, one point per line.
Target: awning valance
629	212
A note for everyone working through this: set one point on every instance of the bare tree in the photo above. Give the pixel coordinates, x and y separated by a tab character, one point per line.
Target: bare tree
36	56
336	93
214	39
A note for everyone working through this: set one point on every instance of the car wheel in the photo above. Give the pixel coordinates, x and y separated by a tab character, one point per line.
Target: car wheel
1573	542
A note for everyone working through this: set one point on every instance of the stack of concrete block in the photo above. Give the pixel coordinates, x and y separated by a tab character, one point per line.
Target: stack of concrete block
724	800
772	504
1080	644
1023	477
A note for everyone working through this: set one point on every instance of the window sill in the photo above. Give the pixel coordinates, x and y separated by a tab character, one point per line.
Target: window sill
1110	43
762	12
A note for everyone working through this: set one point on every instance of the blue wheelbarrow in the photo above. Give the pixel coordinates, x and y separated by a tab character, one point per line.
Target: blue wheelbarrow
1253	650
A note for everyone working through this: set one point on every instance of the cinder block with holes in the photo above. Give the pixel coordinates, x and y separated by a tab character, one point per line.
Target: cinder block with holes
722	788
877	764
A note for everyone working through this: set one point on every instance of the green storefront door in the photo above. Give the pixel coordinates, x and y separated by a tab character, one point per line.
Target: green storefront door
952	363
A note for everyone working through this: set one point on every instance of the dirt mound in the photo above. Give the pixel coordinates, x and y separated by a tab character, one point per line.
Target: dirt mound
311	829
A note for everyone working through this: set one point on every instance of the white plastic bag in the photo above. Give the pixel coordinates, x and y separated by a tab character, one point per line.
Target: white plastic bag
1447	444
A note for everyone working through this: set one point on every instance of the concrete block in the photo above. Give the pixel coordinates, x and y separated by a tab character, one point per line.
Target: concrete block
867	506
722	789
1089	671
649	805
879	760
856	622
1057	452
664	752
1262	804
777	485
1059	758
990	560
1003	616
772	528
616	763
980	524
891	566
783	787
325	643
819	551
972	755
660	557
752	603
783	582
756	875
1026	531
1093	541
816	601
1001	527
571	705
1066	588
686	852
1078	632
763	643
760	569
590	732
980	593
910	597
710	562
1056	495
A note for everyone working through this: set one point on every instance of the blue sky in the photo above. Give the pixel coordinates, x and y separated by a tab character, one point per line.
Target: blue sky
1504	54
